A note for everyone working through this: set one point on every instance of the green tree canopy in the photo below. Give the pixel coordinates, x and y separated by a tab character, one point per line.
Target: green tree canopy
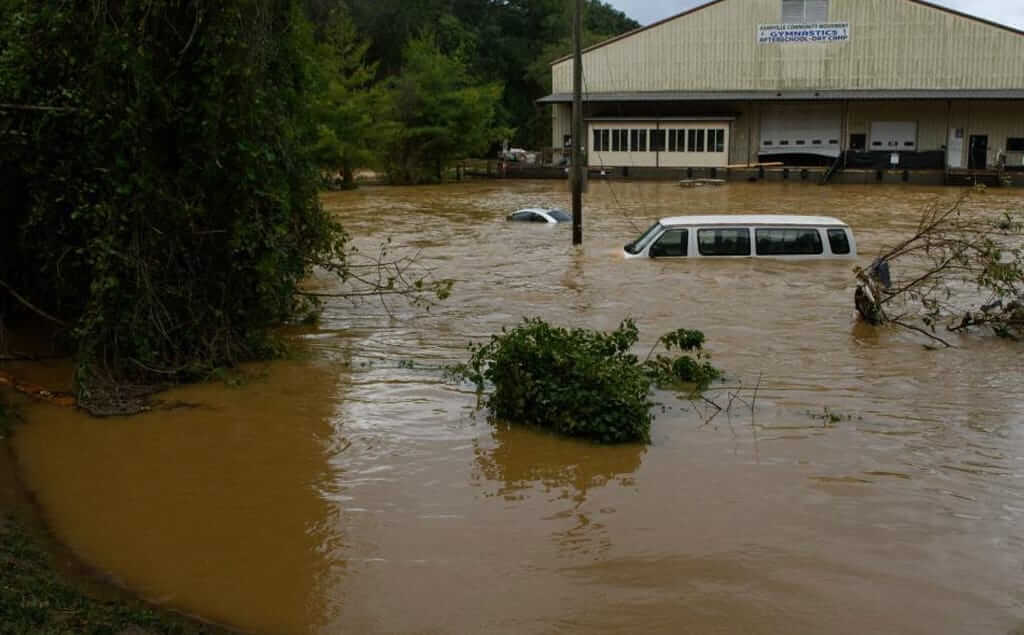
346	98
161	199
504	41
438	111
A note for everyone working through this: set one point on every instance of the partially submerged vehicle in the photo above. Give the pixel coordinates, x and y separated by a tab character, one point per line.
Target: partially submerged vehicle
552	215
787	237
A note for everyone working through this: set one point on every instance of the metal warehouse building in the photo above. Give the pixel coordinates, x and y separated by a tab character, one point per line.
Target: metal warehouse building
848	87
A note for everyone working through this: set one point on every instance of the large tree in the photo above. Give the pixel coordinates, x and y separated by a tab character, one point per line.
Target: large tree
346	99
439	113
161	202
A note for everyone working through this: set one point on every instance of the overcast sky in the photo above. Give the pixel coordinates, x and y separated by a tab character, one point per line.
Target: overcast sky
1009	12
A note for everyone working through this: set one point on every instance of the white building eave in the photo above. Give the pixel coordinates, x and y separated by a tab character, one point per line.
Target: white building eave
771	95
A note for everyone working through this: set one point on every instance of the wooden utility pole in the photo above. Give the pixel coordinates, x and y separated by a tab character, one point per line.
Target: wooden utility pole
577	124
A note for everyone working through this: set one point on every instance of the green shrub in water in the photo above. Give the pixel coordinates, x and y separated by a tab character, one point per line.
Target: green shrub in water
580	382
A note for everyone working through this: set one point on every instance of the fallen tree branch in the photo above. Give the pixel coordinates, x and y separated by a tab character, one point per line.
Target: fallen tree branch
36	392
922	332
30	107
17	296
962	268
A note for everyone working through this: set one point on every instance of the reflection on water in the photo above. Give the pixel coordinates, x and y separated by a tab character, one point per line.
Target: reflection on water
517	458
356	492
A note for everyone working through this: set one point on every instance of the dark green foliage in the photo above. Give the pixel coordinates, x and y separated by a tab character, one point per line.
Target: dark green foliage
34	600
437	112
346	99
166	207
499	41
697	370
579	382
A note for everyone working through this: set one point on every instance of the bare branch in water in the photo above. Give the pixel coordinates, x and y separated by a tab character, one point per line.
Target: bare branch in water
381	277
17	296
961	270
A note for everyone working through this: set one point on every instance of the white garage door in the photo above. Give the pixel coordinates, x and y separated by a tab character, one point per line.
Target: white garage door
893	136
801	129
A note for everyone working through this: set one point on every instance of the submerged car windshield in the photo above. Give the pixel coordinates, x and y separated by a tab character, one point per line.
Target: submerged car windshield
641	243
559	215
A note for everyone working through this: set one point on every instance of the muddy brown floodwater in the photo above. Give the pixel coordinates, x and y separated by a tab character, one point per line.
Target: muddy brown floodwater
355	491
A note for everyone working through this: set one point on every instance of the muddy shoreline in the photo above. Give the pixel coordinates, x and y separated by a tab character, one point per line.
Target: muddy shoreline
50	586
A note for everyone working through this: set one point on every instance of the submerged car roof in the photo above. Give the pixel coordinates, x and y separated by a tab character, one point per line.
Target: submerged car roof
765	219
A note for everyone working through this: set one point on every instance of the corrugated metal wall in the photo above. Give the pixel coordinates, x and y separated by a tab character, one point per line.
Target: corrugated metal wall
894	44
996	119
561	124
931	118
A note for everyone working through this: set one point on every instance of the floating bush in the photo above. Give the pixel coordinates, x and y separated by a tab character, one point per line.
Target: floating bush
580	382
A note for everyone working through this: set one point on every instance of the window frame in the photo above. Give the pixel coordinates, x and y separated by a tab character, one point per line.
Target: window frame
640	244
696	140
830	233
1015	144
819	244
806	7
658	139
684	243
704	230
716	140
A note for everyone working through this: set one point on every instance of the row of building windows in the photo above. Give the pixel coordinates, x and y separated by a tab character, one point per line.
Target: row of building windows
651	140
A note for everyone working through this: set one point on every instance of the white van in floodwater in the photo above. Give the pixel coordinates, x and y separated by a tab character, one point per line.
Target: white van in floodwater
787	237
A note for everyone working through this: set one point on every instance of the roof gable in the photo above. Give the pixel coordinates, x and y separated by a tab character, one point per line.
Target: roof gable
885	45
701	7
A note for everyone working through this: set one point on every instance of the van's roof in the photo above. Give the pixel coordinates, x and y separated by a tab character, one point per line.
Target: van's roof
779	219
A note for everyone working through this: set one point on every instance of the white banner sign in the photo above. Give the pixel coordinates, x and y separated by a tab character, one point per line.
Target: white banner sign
785	33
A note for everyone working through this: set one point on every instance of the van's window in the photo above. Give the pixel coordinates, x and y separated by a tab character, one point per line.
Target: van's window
724	242
641	243
789	242
839	242
672	244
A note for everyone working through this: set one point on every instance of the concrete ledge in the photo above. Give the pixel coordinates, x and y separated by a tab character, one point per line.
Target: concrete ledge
810	175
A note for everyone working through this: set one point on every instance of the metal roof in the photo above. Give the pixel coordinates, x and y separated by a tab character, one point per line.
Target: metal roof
925	3
761	220
772	95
